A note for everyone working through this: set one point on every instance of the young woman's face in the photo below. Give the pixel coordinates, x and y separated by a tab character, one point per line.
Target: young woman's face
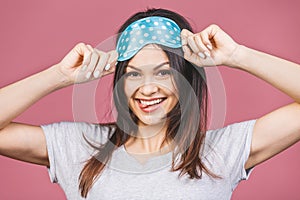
149	85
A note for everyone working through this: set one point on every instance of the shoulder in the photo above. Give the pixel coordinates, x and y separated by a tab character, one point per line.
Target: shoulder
235	135
77	131
227	132
228	149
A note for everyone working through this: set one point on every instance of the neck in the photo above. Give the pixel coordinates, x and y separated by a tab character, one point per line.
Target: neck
149	139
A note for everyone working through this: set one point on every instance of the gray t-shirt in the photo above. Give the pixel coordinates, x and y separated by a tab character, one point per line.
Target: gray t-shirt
225	153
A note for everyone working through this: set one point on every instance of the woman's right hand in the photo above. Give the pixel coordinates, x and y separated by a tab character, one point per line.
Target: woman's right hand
84	63
27	142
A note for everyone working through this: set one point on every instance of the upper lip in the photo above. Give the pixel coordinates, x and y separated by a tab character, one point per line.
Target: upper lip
152	99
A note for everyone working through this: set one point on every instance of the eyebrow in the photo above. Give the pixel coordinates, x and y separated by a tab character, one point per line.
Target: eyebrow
158	66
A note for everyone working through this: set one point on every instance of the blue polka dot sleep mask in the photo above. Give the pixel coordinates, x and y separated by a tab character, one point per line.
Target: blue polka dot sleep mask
149	30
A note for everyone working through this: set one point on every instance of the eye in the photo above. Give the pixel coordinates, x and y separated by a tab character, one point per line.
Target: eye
132	74
164	73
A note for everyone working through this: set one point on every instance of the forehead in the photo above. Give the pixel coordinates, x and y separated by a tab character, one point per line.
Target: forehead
149	55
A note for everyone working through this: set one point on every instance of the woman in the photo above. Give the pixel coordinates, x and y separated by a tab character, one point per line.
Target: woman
159	147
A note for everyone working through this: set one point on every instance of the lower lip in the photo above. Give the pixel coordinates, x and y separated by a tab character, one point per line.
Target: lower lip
150	108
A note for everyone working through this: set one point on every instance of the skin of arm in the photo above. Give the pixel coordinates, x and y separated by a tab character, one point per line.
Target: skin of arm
280	129
21	141
27	142
275	131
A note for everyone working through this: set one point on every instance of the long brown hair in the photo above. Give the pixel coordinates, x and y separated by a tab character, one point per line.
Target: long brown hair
187	121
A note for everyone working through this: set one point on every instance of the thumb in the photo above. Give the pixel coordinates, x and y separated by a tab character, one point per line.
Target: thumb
184	36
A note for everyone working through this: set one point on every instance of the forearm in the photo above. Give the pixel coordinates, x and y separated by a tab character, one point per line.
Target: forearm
282	74
17	97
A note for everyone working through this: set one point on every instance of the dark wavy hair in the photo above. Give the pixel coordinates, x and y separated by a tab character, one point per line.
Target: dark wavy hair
187	121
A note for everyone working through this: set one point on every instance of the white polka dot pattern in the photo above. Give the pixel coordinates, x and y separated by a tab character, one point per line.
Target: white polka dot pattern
155	29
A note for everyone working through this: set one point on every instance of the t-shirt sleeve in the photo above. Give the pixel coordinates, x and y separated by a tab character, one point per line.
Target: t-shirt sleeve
233	144
67	148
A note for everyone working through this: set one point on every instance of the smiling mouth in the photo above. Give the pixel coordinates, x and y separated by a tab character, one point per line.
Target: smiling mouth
150	105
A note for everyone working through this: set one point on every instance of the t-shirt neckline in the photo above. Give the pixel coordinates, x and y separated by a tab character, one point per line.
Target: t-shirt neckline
127	163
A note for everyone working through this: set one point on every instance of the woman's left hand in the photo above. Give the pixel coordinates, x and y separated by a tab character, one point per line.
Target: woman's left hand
210	47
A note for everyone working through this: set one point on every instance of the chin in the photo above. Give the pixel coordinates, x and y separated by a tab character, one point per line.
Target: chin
148	120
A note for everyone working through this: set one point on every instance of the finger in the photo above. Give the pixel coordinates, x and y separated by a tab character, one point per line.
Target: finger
194	47
184	35
86	60
90	47
113	57
201	46
101	63
187	52
111	63
82	51
208	34
204	35
93	62
91	51
83	48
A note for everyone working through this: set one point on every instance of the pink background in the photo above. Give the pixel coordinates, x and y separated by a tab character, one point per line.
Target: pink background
37	34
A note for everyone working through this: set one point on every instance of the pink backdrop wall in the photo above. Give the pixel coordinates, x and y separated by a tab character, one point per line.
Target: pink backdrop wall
37	34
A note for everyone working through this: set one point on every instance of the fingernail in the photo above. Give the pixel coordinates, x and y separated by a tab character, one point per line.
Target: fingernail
84	67
96	73
107	67
90	46
88	75
201	55
209	46
207	53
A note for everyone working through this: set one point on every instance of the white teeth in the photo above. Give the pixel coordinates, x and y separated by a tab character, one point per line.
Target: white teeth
148	103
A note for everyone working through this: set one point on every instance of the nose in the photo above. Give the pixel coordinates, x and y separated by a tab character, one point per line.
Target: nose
148	89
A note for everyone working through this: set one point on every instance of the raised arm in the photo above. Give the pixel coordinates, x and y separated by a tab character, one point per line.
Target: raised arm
27	142
279	129
275	131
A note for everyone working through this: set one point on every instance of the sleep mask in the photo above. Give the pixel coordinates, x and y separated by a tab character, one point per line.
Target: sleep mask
149	30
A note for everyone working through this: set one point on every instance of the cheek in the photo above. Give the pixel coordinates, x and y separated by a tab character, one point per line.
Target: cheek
130	87
172	93
173	99
170	88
